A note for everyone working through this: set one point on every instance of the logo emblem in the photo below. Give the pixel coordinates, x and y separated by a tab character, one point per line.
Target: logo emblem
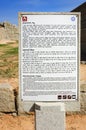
73	18
24	18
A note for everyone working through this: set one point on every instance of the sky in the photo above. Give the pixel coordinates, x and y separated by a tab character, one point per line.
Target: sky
9	9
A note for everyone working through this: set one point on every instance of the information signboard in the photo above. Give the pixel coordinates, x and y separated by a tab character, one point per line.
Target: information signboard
49	56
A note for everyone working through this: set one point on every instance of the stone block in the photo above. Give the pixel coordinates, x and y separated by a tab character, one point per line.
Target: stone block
50	116
7	98
83	102
83	87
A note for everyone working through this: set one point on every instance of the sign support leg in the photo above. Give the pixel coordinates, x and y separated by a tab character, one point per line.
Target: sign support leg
50	116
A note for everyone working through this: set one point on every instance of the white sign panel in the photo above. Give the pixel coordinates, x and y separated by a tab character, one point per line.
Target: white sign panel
49	57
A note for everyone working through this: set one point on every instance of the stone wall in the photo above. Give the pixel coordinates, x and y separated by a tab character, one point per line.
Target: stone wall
8	31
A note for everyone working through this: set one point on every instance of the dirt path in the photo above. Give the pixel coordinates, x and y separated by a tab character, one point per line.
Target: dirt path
76	122
8	122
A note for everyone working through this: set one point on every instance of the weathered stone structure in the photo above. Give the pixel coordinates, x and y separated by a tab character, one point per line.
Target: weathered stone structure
82	9
8	31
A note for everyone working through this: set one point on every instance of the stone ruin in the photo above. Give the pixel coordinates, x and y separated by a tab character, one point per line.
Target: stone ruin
8	31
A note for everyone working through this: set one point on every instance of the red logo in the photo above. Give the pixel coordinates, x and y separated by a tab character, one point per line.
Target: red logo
24	18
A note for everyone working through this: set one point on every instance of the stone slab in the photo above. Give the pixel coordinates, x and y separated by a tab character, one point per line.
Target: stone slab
7	98
49	106
25	106
50	116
